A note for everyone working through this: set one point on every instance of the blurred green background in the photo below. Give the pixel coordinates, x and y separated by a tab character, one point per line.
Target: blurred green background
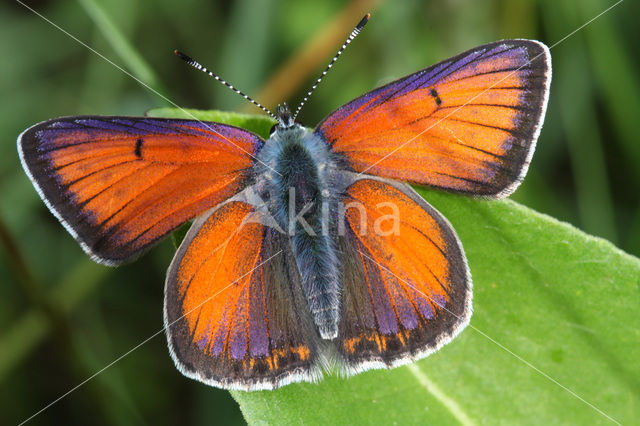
63	318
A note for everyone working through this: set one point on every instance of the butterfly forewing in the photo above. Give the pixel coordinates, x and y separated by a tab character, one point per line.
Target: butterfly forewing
468	124
119	184
235	316
407	287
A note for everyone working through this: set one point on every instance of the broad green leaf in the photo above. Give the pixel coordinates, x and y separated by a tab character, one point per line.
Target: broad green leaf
554	338
259	124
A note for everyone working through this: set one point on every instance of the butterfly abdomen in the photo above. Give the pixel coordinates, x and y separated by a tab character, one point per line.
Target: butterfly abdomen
301	202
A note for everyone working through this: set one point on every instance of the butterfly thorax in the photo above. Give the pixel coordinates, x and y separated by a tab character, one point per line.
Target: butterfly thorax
295	177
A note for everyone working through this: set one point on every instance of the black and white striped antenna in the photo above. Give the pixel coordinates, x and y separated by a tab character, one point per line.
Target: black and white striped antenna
197	66
353	35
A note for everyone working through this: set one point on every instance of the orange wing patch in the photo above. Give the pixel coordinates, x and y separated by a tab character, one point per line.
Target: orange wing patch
211	266
397	228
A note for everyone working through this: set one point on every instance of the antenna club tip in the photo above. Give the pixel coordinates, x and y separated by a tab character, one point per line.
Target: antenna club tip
363	21
181	55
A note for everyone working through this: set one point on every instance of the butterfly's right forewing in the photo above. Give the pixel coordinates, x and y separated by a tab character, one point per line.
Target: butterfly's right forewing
119	184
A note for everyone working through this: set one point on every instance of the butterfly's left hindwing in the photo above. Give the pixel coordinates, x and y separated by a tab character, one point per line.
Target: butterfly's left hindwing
235	314
119	184
407	287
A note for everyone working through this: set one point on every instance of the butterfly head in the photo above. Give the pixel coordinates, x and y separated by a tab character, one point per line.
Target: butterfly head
284	117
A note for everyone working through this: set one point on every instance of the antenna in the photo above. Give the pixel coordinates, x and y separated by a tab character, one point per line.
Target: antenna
197	66
353	35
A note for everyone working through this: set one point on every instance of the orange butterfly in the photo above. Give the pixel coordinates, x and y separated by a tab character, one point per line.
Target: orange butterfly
304	254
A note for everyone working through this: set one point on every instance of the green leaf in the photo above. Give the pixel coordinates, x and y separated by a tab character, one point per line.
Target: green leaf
554	337
258	124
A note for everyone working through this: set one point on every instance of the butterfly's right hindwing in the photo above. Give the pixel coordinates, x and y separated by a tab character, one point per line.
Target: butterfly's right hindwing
235	315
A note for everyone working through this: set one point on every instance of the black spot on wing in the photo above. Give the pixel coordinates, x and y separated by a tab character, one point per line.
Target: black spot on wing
138	150
434	93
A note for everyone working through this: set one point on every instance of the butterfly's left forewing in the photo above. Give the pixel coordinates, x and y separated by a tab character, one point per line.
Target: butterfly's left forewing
407	287
234	313
468	124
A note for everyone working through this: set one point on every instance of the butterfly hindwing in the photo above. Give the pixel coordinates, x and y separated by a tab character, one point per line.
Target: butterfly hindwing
235	316
407	287
468	124
119	184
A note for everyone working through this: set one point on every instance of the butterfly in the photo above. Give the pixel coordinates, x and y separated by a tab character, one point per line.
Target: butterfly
309	250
